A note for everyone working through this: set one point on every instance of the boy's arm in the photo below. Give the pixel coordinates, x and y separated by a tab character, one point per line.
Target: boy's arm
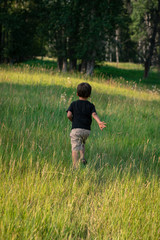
70	115
101	124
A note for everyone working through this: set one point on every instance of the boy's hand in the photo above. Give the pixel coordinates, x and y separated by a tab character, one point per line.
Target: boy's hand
102	125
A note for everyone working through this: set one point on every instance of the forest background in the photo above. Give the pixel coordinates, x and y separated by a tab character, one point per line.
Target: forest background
81	33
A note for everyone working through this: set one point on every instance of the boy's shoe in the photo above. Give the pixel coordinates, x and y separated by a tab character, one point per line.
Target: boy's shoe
84	161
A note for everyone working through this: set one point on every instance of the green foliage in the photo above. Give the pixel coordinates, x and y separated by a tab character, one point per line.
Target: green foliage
142	17
79	31
18	31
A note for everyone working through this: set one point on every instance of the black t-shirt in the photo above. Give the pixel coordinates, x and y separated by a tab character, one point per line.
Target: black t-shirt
82	114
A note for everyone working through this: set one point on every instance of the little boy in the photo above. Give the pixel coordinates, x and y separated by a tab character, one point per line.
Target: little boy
80	113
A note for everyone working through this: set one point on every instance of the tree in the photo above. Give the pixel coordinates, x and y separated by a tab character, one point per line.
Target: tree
4	33
78	30
146	19
58	26
97	25
18	30
124	45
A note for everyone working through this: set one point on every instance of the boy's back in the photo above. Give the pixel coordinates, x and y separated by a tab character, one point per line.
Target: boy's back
82	114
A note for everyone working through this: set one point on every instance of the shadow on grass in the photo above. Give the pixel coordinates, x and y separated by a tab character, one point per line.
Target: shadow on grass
41	63
130	75
38	127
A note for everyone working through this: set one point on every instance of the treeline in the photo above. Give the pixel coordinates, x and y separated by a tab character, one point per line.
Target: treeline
80	32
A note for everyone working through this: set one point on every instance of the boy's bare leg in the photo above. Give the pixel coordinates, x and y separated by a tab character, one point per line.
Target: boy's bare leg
75	159
82	152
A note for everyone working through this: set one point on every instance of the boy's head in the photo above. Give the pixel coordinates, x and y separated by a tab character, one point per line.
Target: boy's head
84	90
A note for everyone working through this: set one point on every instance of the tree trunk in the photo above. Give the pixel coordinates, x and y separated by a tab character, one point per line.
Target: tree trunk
64	67
152	42
90	67
1	45
83	66
5	43
159	50
147	67
110	56
60	63
72	64
117	49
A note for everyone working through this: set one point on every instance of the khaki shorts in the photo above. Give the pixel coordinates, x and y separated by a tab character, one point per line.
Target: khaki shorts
78	138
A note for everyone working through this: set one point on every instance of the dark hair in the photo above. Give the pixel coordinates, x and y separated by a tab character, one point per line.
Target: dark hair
84	90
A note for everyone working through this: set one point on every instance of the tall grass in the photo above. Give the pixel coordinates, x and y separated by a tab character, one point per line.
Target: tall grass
115	197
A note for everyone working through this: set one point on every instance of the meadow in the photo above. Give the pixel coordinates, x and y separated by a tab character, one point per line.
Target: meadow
117	195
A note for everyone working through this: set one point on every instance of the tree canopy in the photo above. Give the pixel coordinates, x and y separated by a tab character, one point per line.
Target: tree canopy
80	31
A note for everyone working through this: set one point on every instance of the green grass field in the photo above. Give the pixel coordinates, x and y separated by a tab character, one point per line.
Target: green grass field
117	195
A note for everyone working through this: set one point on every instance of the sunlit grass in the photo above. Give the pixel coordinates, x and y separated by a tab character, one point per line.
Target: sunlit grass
121	65
28	75
115	197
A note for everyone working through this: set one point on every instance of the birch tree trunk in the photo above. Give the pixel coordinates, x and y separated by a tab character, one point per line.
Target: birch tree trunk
64	67
90	67
117	48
